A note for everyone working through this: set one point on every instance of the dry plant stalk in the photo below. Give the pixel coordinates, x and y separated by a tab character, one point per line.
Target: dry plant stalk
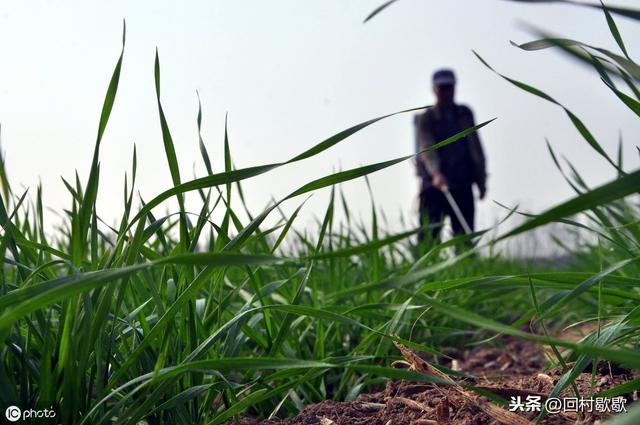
414	404
497	413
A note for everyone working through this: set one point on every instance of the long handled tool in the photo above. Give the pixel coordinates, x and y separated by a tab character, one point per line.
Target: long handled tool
456	210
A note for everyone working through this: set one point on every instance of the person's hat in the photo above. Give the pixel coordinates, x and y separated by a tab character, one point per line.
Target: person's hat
444	77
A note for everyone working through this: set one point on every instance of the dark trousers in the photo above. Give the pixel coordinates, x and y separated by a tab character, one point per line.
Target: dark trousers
434	207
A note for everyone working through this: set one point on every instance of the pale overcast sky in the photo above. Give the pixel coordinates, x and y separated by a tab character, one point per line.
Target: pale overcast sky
291	73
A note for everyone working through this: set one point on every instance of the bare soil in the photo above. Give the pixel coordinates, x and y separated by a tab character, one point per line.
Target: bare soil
516	368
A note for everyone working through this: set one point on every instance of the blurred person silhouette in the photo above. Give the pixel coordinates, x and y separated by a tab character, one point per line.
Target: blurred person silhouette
450	171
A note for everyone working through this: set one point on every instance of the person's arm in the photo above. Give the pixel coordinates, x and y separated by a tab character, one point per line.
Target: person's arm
477	158
421	169
430	159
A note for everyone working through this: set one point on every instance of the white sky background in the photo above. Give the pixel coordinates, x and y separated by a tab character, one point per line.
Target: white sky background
291	73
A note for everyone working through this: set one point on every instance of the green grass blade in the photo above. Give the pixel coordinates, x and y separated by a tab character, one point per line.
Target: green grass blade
604	194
